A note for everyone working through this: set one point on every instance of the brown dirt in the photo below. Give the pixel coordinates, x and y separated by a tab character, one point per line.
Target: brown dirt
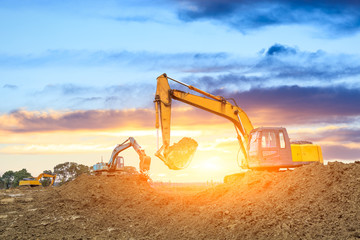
311	202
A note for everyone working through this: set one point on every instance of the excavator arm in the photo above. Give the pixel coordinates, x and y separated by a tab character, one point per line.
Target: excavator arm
47	175
130	142
208	102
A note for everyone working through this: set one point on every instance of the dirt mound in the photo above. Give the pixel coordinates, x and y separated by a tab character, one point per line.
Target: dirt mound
311	202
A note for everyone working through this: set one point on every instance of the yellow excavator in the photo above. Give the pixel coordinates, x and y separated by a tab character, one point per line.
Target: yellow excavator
34	182
116	162
263	148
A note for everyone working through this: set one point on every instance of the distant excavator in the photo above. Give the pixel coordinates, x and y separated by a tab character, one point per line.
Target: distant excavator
116	163
263	148
34	182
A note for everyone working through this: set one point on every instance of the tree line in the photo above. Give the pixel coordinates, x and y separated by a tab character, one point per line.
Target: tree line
65	172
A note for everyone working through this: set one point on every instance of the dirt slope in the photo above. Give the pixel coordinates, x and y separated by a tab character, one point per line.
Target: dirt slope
312	202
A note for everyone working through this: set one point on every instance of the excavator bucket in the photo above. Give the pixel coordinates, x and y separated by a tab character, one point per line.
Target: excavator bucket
179	155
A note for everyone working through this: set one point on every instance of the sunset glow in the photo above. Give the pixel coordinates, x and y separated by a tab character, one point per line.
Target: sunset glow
216	156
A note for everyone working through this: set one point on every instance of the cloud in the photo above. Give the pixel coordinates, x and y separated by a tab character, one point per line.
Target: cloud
86	96
281	65
26	121
143	59
292	105
278	62
283	81
338	17
140	19
20	121
10	86
65	89
266	106
278	49
300	105
340	153
349	135
284	62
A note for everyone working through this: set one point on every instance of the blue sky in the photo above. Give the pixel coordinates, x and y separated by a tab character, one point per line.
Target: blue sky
299	59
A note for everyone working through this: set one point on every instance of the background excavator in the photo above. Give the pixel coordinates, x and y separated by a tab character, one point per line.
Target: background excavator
263	148
116	163
34	182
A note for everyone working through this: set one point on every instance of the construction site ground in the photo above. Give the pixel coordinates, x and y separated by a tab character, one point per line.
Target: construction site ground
311	202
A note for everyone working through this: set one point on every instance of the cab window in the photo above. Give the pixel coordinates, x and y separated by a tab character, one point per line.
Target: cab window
268	140
253	142
282	140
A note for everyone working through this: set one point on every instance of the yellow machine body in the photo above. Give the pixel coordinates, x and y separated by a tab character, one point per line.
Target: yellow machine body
306	153
29	183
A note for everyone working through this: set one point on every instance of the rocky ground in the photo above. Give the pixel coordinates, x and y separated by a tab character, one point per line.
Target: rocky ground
311	202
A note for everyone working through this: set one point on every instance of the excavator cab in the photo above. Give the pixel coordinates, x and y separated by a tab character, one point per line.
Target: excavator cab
270	148
119	162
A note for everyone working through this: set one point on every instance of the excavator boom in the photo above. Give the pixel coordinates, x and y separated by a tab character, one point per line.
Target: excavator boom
214	104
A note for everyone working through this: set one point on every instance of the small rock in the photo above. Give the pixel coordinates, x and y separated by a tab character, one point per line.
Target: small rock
285	227
7	200
231	226
29	199
75	217
3	216
15	195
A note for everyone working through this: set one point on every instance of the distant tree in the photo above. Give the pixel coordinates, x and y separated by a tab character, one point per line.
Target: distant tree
69	171
12	179
2	183
20	175
46	181
8	178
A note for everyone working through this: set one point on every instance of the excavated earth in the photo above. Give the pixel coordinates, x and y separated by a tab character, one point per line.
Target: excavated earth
311	202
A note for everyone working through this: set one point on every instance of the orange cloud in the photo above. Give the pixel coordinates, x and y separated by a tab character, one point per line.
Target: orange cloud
94	120
32	121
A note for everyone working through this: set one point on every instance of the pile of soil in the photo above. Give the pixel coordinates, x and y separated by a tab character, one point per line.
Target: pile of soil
311	202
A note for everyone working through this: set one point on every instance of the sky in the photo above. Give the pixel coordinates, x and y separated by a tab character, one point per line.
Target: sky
79	77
